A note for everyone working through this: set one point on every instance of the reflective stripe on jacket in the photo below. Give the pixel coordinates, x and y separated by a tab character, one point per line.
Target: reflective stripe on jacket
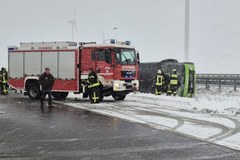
174	79
94	85
4	77
159	80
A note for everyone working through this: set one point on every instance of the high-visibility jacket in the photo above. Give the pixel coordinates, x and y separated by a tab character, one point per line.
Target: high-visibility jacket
159	80
4	77
174	79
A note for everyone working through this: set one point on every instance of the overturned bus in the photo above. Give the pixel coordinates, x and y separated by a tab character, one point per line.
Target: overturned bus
186	73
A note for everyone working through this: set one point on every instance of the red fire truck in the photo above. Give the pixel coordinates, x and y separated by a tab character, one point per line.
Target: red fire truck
116	65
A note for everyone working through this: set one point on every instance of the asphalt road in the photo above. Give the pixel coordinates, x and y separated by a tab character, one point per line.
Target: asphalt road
26	132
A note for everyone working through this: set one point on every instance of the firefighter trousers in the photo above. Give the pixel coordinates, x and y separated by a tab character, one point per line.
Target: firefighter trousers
158	89
43	96
172	89
4	88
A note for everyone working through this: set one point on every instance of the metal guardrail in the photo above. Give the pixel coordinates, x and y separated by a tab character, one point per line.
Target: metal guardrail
219	79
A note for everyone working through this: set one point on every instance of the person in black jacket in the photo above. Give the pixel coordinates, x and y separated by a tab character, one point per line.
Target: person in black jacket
46	81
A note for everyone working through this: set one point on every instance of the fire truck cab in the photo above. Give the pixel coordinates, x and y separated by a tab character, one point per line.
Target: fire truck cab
116	65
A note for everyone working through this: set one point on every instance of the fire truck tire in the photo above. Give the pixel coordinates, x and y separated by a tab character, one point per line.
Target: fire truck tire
118	97
34	91
59	95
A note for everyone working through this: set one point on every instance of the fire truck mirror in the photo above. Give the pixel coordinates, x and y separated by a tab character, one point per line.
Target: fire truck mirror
78	66
138	58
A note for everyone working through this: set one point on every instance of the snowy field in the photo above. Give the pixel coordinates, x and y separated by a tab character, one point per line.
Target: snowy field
212	115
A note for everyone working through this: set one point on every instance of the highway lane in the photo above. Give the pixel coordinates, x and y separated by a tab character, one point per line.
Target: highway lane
71	133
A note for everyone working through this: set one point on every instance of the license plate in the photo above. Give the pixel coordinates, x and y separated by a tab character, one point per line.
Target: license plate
128	83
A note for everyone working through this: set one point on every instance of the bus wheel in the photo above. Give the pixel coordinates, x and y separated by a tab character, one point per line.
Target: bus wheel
118	97
34	91
59	95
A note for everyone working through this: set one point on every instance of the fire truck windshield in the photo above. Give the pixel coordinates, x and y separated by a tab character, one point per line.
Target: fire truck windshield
125	56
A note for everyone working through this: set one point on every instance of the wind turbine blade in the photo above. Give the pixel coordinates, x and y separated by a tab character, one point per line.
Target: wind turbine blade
76	29
74	16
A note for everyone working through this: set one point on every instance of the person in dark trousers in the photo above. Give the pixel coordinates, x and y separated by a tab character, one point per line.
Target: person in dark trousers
46	81
93	86
159	80
174	83
4	81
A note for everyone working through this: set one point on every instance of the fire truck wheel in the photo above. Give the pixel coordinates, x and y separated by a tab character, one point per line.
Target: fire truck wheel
34	91
59	95
118	97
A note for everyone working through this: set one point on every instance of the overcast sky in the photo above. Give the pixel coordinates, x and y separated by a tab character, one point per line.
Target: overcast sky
155	27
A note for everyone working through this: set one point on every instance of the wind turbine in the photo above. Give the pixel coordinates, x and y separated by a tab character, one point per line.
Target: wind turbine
74	25
186	31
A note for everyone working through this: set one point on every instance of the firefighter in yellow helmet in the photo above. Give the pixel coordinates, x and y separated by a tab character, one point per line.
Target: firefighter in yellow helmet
159	80
173	84
4	81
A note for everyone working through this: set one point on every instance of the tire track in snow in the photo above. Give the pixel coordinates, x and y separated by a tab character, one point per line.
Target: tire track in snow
226	131
181	120
124	106
230	133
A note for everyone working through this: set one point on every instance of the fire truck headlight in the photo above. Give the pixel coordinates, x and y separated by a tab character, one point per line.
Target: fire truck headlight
116	86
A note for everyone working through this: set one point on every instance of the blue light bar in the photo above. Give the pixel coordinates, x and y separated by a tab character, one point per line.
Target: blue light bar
11	48
128	43
112	41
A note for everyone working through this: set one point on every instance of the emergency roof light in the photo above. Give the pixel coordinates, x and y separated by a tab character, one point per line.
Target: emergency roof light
84	43
12	48
112	41
128	43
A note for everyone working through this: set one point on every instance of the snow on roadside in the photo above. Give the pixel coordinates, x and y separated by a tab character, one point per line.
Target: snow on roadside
226	101
188	116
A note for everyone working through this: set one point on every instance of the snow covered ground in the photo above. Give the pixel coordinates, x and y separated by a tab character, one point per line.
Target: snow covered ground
212	115
226	101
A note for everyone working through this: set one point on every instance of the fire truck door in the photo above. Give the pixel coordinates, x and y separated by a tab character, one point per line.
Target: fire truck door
104	63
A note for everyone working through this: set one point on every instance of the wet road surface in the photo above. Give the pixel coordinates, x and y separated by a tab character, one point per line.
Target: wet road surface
26	132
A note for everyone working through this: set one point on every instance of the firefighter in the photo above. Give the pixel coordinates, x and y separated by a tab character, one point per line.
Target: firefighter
4	81
174	83
46	81
93	87
159	80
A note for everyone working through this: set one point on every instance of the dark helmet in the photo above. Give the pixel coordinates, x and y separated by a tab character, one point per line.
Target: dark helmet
3	69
